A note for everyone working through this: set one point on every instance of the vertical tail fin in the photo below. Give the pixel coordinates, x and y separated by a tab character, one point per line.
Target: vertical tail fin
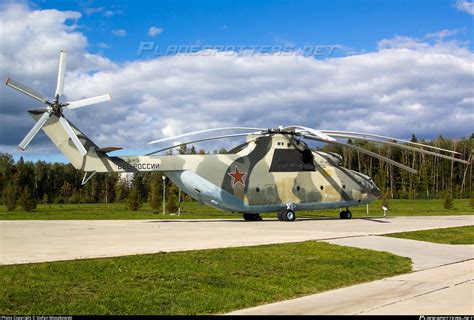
95	158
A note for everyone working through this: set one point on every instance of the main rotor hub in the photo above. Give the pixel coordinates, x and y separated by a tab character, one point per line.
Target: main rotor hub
280	130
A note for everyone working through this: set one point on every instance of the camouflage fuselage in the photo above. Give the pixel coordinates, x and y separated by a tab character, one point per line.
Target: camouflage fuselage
264	175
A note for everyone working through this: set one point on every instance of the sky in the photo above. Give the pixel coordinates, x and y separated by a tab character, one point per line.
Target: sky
385	67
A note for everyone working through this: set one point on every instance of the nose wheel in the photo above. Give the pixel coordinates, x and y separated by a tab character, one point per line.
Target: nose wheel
287	215
345	214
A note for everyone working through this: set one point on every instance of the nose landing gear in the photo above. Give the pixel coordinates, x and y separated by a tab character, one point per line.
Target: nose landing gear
287	214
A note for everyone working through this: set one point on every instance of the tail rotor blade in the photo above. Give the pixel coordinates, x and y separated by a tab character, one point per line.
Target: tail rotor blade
88	101
72	135
26	90
61	74
36	128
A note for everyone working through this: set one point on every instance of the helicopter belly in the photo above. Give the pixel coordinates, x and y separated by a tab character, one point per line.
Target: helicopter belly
204	191
208	193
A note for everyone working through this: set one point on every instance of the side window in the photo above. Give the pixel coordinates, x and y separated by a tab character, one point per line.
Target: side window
292	160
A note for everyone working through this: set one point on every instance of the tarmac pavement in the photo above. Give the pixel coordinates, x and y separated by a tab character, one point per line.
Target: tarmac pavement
52	240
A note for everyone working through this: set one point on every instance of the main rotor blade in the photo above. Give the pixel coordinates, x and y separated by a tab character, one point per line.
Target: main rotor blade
367	152
329	132
70	132
88	101
314	132
26	90
203	131
61	74
34	131
201	140
400	146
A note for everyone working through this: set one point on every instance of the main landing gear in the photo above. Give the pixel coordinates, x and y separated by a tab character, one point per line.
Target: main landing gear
252	217
345	214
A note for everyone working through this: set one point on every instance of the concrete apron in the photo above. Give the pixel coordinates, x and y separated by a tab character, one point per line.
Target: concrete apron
39	241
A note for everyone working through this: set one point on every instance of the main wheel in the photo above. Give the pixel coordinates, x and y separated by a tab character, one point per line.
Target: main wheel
342	214
289	215
348	215
280	215
252	217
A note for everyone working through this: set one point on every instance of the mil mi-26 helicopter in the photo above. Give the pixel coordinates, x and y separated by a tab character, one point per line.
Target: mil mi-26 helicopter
273	171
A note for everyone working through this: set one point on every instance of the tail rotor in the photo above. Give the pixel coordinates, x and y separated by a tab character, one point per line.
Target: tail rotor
55	107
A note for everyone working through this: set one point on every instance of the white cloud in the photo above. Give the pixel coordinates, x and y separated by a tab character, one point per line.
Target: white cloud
30	52
443	34
119	32
110	13
434	42
407	86
103	45
93	10
105	12
154	31
465	5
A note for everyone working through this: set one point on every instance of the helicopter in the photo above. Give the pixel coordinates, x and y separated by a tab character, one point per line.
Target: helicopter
274	170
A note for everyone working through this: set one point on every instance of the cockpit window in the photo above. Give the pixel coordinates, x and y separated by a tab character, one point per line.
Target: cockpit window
292	160
239	148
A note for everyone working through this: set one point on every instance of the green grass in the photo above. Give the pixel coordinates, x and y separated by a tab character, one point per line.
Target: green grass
192	210
194	282
195	210
455	235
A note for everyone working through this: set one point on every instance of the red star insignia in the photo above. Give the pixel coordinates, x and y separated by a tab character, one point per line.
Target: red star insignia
237	176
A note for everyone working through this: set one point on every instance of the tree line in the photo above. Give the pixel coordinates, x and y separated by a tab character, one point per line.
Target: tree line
27	183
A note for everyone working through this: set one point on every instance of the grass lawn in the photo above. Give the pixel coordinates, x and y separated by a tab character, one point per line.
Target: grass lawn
195	210
194	282
456	235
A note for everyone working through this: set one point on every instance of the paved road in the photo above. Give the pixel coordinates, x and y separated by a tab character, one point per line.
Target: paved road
37	241
423	254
